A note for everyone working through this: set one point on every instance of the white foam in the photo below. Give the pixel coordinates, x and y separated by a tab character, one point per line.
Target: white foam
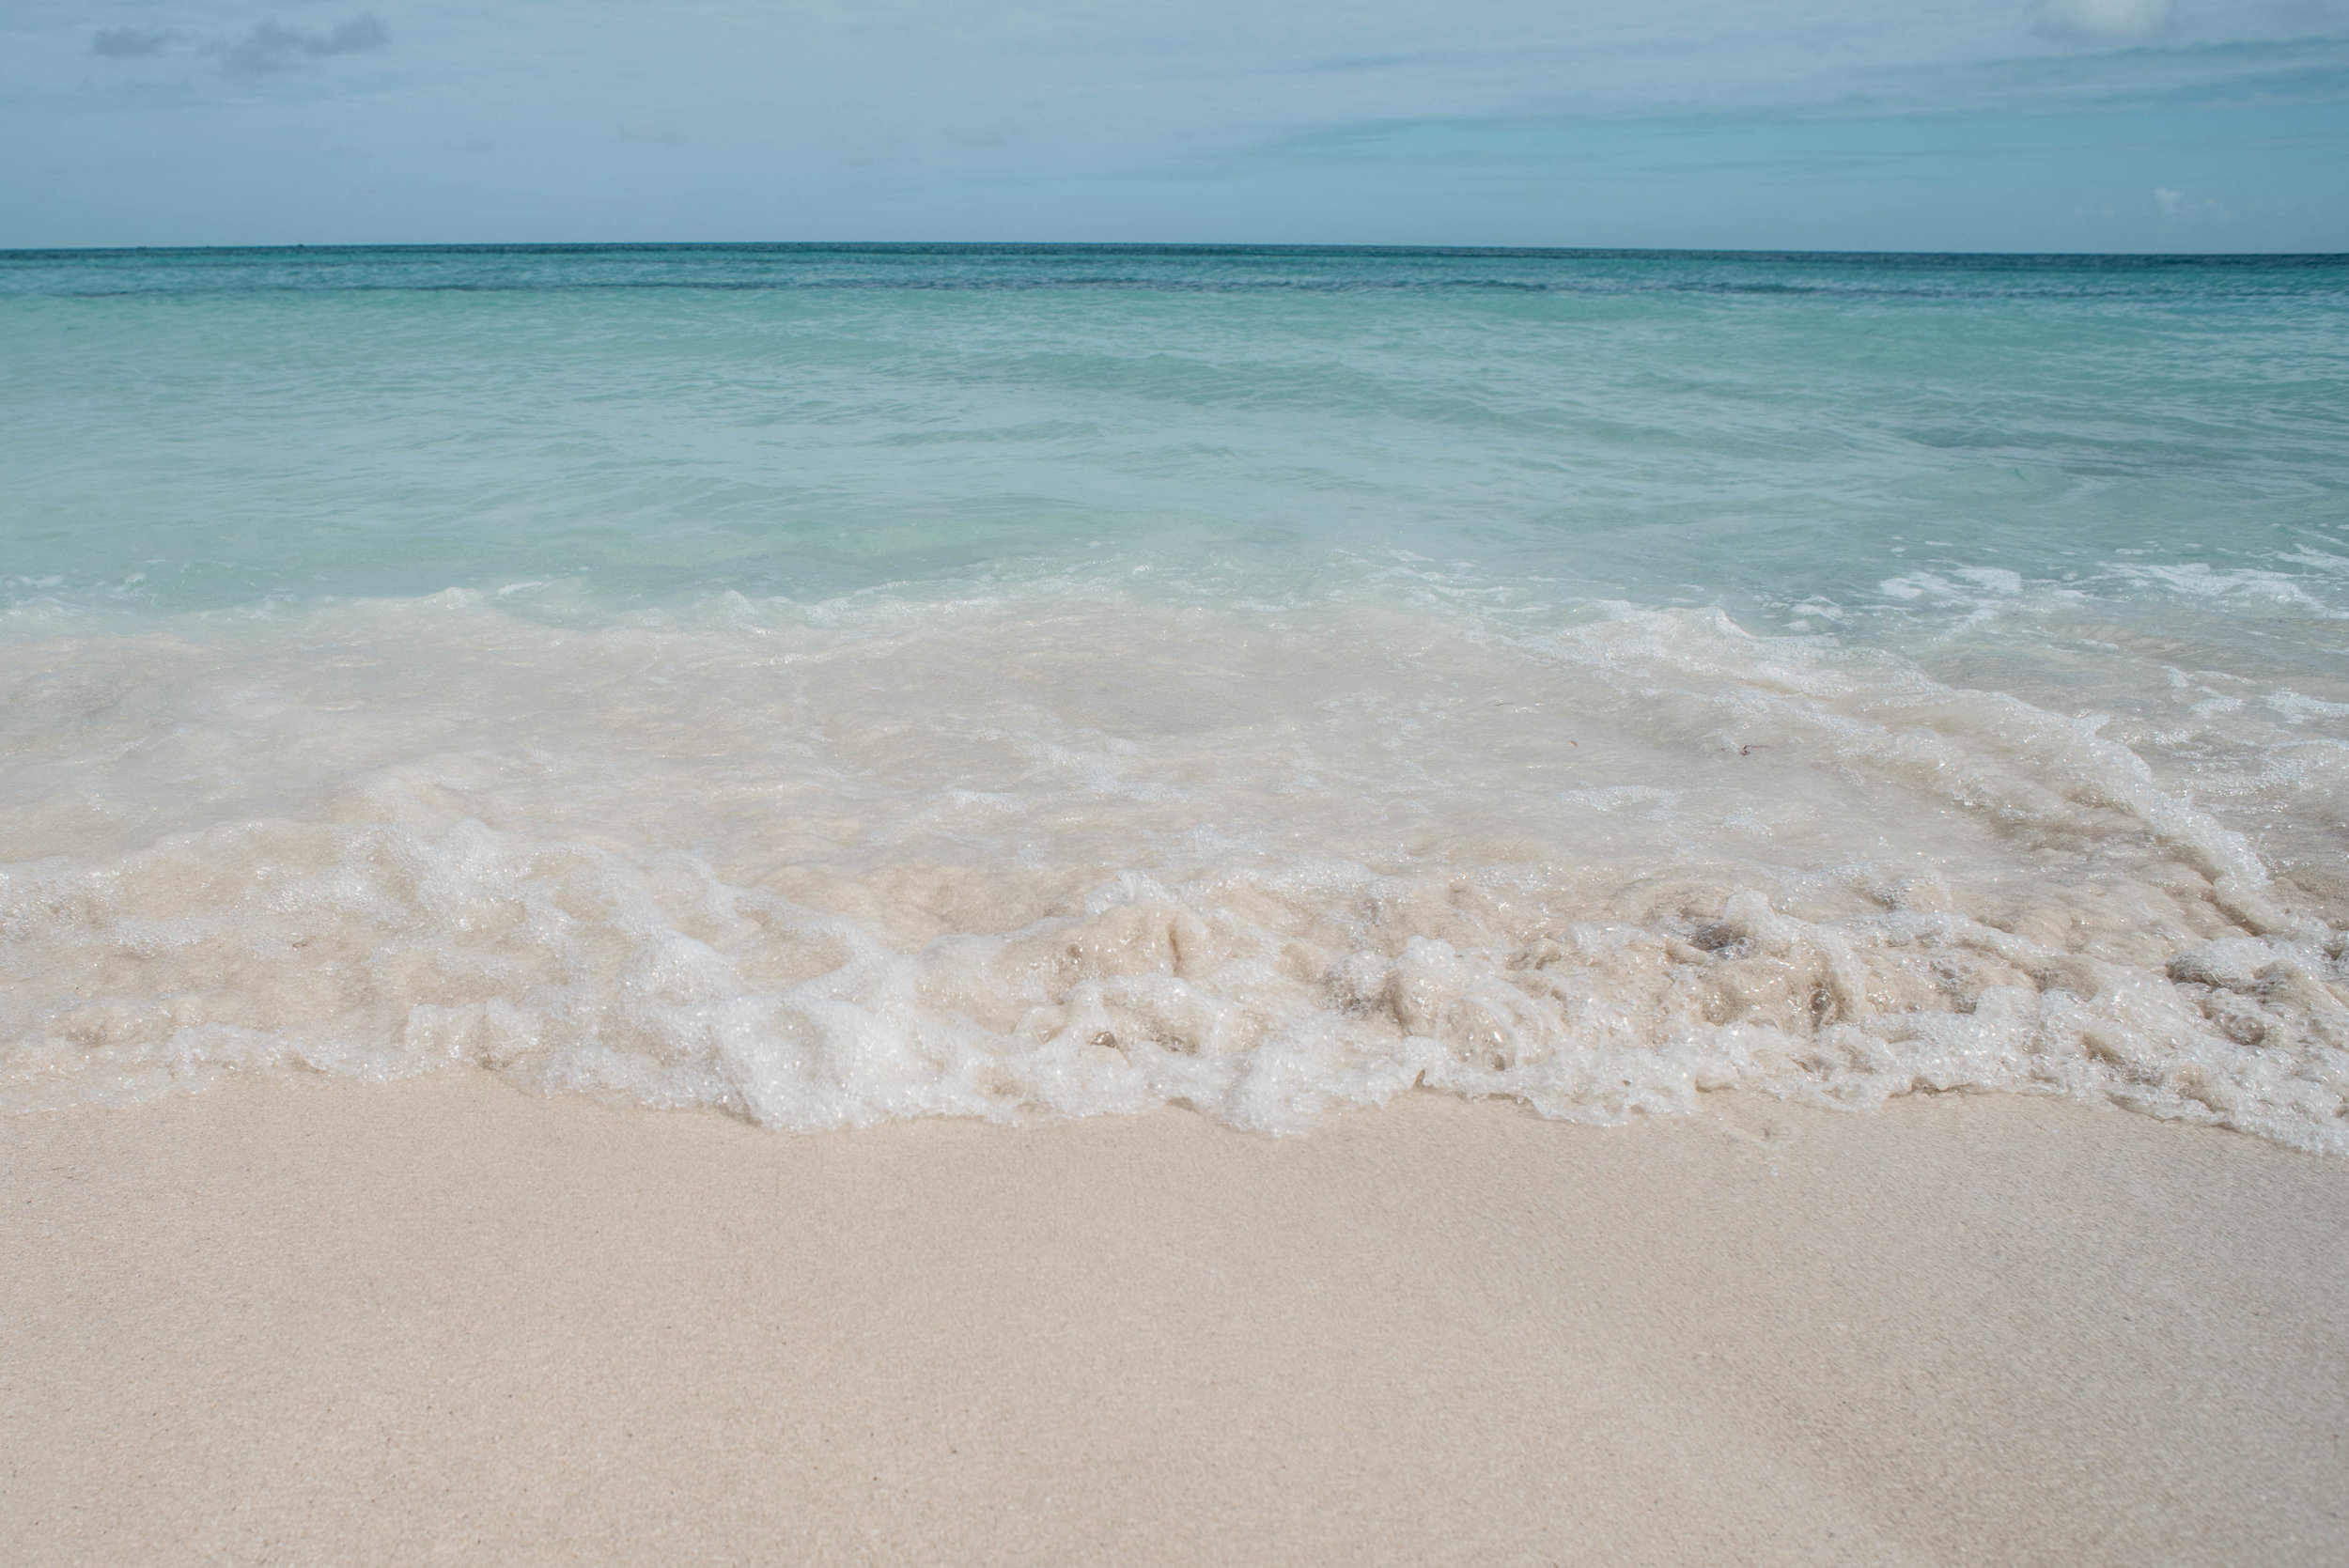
2240	586
1056	855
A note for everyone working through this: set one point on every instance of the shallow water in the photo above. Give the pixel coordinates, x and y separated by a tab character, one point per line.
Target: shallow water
842	684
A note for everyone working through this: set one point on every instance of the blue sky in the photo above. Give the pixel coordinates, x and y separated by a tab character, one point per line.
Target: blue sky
2170	124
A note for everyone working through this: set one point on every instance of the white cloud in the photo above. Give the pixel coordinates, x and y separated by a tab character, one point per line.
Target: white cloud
2177	207
2102	21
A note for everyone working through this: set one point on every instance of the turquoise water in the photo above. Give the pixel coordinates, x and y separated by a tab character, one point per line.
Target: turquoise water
669	422
827	682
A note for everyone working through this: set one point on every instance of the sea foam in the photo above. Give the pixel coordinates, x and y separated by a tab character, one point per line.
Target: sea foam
1059	853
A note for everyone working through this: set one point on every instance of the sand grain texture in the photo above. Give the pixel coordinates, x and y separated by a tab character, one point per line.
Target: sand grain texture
444	1321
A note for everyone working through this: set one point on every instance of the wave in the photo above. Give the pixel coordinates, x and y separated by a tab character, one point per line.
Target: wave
1057	853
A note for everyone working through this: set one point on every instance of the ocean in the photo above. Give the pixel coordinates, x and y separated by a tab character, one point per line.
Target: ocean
836	684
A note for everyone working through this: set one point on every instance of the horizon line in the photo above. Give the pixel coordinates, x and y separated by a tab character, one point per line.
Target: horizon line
1194	247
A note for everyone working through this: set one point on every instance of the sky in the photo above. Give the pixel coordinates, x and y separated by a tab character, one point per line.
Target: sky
2006	125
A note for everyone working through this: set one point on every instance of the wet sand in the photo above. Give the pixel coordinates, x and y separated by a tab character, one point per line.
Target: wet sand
447	1321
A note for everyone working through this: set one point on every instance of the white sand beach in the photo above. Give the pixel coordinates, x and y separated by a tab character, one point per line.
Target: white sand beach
448	1321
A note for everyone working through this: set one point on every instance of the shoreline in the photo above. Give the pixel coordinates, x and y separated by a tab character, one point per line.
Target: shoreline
308	1321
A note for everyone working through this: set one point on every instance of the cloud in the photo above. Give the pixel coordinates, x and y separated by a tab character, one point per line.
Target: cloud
131	43
273	46
2177	207
2101	20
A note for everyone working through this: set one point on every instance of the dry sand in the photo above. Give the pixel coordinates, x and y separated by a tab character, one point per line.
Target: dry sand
447	1321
